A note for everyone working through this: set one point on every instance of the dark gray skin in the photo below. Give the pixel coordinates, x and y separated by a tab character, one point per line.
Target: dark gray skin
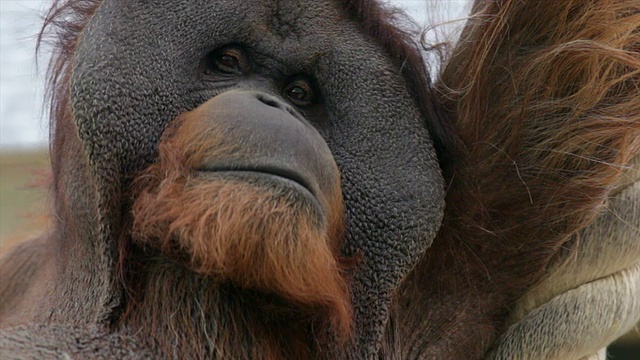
274	139
138	66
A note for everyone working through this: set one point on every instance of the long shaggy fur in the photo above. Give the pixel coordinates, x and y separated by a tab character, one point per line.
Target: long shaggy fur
544	98
254	236
549	115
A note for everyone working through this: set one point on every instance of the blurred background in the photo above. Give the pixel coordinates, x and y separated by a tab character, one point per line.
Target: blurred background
23	128
24	168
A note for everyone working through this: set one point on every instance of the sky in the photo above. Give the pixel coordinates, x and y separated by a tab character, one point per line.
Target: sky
23	123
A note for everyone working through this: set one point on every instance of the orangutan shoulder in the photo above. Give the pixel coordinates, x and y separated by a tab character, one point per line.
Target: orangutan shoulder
24	270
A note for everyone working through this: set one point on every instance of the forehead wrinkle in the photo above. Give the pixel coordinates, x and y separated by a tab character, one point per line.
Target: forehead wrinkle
292	35
297	18
290	56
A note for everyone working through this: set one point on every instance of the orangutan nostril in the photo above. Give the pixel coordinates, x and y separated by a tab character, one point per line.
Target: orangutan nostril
270	101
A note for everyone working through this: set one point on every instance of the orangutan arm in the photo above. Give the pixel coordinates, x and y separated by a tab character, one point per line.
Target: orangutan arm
592	293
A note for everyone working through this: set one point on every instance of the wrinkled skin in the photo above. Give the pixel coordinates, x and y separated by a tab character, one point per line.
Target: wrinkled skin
165	97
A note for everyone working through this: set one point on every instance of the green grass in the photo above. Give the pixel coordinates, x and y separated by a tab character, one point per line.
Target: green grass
23	194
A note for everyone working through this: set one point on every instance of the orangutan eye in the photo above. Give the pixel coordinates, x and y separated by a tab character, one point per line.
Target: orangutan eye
300	92
228	63
228	60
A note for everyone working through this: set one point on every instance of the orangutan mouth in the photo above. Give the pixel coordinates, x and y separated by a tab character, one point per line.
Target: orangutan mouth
274	172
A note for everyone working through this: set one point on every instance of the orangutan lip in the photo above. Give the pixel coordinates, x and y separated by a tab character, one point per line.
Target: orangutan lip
266	170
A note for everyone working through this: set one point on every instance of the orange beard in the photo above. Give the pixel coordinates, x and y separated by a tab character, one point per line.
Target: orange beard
260	237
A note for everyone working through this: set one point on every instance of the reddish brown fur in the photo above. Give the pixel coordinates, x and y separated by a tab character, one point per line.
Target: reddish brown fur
252	236
550	116
544	96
